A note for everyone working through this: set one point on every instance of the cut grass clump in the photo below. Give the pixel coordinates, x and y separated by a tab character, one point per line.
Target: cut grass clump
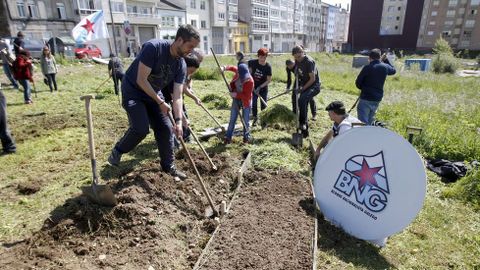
276	155
216	101
278	114
466	189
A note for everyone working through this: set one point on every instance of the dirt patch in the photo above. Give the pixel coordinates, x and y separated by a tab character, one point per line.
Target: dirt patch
158	222
28	188
270	225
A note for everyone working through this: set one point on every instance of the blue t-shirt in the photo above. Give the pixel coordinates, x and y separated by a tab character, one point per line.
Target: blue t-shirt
155	54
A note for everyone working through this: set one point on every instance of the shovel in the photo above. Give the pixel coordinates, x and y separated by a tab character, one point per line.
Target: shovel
297	137
197	173
279	95
260	97
203	149
214	119
99	194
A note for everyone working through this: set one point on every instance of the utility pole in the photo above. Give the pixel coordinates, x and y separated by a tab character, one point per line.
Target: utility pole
113	29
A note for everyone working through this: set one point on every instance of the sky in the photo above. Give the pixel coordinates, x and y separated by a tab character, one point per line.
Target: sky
333	2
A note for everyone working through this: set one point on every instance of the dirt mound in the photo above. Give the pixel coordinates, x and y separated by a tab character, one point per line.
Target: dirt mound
270	226
28	188
158	222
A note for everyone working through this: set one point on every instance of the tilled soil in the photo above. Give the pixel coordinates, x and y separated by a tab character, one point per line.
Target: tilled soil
270	225
158	222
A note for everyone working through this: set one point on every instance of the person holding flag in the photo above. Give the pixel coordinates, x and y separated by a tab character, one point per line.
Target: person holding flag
158	63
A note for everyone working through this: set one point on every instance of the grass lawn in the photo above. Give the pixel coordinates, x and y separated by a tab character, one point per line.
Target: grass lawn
53	152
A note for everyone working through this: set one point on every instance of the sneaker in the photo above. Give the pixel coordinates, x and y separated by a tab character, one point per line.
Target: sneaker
114	158
227	141
247	140
28	101
314	117
176	173
8	152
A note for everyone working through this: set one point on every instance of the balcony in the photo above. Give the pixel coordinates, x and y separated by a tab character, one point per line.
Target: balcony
142	18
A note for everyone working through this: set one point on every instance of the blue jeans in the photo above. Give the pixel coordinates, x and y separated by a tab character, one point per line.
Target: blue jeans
366	110
8	73
8	143
26	89
234	111
305	97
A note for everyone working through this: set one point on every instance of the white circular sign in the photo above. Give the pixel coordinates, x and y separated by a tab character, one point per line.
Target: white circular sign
370	182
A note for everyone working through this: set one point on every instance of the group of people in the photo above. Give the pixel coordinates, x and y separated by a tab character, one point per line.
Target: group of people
154	85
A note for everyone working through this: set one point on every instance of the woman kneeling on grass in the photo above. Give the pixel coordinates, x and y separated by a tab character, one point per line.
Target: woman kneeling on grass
242	88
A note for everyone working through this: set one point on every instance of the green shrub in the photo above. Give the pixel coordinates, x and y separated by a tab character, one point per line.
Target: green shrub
445	63
466	189
216	101
206	74
442	46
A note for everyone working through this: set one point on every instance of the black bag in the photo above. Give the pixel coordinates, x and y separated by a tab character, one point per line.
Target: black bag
448	170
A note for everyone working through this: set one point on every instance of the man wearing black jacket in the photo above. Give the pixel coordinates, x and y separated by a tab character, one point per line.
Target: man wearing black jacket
370	81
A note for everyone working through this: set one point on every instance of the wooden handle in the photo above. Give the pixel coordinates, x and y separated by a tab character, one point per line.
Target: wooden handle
203	149
197	173
91	143
87	97
214	119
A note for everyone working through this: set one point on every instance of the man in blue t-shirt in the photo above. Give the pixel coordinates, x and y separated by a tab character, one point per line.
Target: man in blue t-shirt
370	81
158	63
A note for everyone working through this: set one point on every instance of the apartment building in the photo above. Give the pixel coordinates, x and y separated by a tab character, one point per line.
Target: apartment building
257	12
198	15
323	25
281	25
240	37
457	21
219	25
38	20
385	24
312	17
332	12
341	24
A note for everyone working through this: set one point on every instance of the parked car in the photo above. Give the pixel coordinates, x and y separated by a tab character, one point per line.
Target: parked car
34	46
87	51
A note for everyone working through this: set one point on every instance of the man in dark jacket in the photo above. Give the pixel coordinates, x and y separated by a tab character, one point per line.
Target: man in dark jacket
18	43
115	70
370	81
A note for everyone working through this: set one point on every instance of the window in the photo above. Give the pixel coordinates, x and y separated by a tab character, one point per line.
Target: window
391	8
221	16
265	2
434	13
436	2
203	24
475	2
398	18
448	23
168	21
132	9
473	12
205	44
467	34
193	4
261	25
88	4
469	23
432	23
451	13
32	9
461	11
430	33
260	12
61	11
193	23
452	3
399	8
145	10
21	9
117	7
180	20
202	5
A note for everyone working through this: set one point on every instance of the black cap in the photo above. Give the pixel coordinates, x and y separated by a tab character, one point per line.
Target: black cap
335	106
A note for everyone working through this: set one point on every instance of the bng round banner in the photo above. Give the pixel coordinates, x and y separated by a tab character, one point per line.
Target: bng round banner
370	182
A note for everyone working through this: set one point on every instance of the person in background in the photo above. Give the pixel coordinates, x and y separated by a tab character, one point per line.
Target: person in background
8	144
290	68
7	62
115	70
18	43
49	68
242	87
261	72
370	81
23	73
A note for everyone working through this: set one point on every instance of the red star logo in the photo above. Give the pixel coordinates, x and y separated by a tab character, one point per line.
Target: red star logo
89	26
367	174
